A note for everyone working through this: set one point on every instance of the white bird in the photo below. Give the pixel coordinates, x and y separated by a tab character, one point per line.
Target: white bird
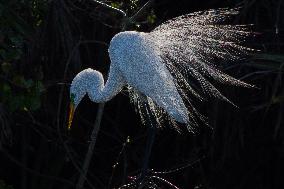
168	66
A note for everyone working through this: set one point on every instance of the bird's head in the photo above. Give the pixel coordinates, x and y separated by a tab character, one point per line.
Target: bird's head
77	92
85	82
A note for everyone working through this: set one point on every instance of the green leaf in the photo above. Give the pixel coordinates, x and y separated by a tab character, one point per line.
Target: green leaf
6	67
270	57
28	83
116	5
16	40
267	61
3	53
3	185
12	54
19	80
6	88
34	103
151	18
16	102
39	87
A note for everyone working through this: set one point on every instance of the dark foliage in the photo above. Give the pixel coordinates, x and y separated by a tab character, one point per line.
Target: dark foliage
43	44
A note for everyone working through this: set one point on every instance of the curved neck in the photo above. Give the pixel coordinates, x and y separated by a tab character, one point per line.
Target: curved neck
101	92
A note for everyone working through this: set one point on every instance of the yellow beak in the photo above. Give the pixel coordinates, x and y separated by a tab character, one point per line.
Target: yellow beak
71	114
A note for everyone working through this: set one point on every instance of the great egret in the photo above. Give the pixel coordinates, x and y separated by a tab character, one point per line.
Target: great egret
168	66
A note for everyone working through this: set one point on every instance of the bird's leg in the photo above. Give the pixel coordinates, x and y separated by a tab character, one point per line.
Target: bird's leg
150	140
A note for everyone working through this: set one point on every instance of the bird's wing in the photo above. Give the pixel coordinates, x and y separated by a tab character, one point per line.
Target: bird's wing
192	43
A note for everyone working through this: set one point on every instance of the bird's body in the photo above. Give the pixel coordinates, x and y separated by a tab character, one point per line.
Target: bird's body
133	56
156	65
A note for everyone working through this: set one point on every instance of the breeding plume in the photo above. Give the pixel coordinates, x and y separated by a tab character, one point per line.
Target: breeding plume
169	67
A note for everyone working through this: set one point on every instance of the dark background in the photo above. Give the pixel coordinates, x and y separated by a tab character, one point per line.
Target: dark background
45	43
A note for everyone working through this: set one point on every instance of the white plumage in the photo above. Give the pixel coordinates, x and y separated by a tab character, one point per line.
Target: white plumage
159	67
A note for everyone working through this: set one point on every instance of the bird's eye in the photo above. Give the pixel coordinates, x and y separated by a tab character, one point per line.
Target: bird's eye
72	97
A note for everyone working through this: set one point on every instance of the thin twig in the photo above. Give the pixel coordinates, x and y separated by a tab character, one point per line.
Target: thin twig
149	145
112	8
141	11
117	161
91	146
